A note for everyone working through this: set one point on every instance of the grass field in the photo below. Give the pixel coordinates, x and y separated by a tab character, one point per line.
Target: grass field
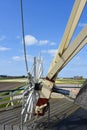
13	80
12	84
9	87
58	81
70	81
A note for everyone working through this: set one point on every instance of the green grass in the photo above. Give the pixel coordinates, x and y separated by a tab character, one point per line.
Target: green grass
13	80
70	81
8	98
58	81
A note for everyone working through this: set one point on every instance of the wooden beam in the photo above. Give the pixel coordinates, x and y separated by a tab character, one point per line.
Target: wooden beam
70	28
71	51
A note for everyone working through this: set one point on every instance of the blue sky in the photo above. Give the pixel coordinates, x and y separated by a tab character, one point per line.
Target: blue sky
45	21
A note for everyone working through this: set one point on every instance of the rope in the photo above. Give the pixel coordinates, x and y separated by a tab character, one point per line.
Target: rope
24	45
23	35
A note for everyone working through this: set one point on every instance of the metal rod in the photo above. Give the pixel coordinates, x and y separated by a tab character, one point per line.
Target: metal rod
61	91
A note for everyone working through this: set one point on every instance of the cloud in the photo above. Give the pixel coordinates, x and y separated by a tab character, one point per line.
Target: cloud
82	24
4	48
21	58
52	52
2	38
43	42
17	58
52	43
31	40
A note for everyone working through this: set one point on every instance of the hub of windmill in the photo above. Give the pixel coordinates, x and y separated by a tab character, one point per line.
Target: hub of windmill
38	86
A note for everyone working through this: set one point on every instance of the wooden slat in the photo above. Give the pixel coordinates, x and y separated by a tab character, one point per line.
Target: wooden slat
6	96
60	108
2	127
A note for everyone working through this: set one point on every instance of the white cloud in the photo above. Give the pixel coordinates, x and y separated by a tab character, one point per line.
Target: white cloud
2	38
82	24
21	58
52	52
52	43
4	48
30	40
43	42
17	58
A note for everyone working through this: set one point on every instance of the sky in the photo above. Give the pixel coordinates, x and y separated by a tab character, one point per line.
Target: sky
44	24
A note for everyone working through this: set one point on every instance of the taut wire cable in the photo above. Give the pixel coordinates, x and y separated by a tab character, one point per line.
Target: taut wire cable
23	35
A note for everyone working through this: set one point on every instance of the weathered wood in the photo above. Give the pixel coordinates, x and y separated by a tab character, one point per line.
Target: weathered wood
59	109
8	127
6	96
2	127
81	98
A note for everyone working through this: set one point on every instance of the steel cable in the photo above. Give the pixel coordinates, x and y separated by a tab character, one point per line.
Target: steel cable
23	35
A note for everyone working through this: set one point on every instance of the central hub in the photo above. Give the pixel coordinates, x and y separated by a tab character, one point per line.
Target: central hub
38	86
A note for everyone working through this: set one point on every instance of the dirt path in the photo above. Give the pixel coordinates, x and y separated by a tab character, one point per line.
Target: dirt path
10	85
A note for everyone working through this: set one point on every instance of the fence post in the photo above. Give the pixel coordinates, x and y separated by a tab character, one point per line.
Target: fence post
11	98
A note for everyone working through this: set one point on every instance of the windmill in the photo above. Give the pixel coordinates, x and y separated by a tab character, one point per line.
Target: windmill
38	92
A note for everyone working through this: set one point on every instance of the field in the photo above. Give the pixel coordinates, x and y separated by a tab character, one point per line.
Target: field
8	89
70	81
10	85
12	79
7	84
